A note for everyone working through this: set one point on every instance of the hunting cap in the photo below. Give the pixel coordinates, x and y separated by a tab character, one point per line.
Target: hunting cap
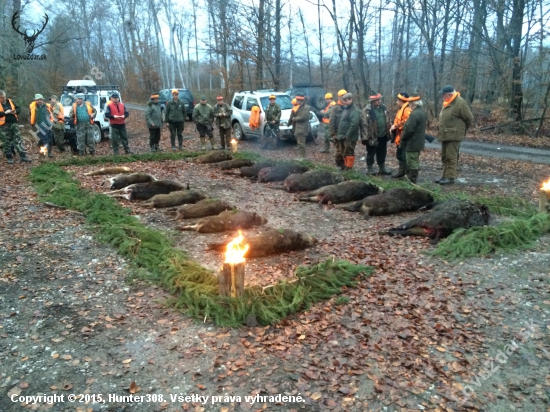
79	96
175	91
328	96
272	96
300	96
347	96
342	92
414	97
115	95
375	96
53	96
38	97
447	89
219	98
154	96
203	97
403	97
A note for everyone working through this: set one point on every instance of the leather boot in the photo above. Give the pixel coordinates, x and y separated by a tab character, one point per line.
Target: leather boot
24	158
370	170
212	144
399	174
382	170
50	150
159	149
153	147
203	143
173	142
180	142
81	152
10	160
340	164
412	175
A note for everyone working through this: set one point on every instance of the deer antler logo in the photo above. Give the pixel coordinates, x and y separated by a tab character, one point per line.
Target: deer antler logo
29	40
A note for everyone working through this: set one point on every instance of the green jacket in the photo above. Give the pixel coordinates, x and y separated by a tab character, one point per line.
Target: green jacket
273	113
175	111
223	115
203	114
349	123
300	121
334	122
369	124
414	131
153	116
454	120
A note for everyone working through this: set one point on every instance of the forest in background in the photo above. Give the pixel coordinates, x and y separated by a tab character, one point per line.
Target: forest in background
495	52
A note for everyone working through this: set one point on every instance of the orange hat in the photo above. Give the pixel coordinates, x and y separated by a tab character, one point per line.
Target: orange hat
219	98
403	97
375	96
294	102
328	96
272	96
300	96
414	98
342	92
175	91
154	96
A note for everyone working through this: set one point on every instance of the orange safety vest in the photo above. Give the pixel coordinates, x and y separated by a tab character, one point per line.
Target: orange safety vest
326	120
3	118
60	115
90	111
32	108
400	120
254	121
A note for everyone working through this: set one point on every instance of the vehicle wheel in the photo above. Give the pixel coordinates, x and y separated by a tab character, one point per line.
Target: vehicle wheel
319	102
238	132
98	133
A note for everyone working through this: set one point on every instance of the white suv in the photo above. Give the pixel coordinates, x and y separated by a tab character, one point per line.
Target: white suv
242	104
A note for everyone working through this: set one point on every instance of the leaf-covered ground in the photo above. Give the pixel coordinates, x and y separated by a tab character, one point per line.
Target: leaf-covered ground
417	335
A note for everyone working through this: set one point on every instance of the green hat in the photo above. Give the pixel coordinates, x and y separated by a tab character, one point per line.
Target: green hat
203	97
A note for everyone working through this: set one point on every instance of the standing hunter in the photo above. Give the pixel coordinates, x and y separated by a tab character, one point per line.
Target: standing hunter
42	121
414	134
326	119
203	115
333	124
175	117
59	126
396	131
348	131
376	126
273	118
116	113
222	114
300	122
9	130
153	118
83	114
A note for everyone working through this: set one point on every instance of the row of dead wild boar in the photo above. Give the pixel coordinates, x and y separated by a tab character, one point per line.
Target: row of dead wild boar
321	186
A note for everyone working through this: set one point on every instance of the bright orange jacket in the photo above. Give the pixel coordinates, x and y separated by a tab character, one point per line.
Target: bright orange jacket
90	112
60	115
32	108
3	118
254	121
326	120
399	121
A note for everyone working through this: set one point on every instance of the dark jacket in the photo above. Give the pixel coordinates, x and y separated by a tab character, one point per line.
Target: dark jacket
153	116
10	117
222	115
369	123
175	111
334	120
414	131
300	121
454	120
349	123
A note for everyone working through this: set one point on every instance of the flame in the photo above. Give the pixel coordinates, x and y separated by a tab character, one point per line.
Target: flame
236	250
546	186
233	141
44	150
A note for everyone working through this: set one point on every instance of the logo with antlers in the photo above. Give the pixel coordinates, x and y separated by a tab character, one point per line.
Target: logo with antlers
29	40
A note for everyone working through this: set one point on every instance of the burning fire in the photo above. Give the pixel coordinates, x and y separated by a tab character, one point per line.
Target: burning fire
44	150
546	186
236	250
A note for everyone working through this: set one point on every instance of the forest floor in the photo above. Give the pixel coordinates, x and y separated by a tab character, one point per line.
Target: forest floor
420	334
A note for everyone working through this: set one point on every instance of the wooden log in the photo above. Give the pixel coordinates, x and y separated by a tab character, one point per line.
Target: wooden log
231	279
544	201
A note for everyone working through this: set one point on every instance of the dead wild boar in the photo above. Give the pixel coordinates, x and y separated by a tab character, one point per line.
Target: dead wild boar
145	191
213	157
314	179
443	219
391	202
252	171
344	192
109	171
177	198
228	220
271	242
279	172
206	207
120	181
234	164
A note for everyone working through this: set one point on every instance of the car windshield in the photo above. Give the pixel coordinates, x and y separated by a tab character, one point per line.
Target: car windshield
282	100
68	99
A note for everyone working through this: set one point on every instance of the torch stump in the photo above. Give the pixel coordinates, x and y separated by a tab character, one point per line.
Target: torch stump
231	279
544	202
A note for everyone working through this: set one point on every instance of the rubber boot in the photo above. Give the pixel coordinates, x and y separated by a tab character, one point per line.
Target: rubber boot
340	164
302	152
399	174
326	148
203	143
173	143
115	152
370	170
349	161
412	175
128	151
153	147
9	159
24	158
50	150
180	142
159	149
382	170
212	144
